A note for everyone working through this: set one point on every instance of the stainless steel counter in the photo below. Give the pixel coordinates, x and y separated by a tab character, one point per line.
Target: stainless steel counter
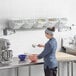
17	63
61	57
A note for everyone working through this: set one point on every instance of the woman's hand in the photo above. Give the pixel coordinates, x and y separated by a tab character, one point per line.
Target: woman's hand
40	45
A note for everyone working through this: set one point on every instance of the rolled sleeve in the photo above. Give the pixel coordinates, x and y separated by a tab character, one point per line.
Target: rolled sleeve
46	51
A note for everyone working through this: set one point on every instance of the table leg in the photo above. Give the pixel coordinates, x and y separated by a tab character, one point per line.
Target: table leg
71	68
58	69
17	71
68	68
29	70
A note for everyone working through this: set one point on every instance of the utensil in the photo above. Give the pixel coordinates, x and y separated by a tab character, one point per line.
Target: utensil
34	45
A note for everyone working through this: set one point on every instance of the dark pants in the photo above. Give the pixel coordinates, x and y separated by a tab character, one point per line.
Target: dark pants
50	72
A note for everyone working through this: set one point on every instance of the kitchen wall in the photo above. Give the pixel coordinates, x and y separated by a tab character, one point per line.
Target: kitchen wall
72	11
21	41
18	9
21	9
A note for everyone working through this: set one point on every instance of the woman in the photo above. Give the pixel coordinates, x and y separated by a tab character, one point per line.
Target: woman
50	62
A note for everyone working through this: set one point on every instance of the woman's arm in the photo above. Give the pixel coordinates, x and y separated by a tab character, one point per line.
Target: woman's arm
46	51
40	45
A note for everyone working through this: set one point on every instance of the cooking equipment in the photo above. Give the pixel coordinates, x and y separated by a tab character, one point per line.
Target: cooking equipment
69	45
5	53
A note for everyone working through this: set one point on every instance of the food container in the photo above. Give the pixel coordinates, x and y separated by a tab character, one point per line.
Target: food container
33	57
22	57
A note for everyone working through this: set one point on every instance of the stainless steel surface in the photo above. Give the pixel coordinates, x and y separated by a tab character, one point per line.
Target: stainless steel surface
16	63
70	50
72	41
17	71
70	45
61	57
68	69
72	69
58	69
29	70
5	53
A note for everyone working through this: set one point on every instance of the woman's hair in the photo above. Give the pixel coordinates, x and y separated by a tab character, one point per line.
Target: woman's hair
51	29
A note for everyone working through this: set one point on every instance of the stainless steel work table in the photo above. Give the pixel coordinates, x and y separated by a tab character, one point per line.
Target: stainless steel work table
61	57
